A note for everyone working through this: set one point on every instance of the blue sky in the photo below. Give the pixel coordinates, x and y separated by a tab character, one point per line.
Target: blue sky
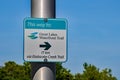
93	34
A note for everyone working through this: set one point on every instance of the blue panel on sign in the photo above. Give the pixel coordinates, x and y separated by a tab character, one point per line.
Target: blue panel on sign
40	23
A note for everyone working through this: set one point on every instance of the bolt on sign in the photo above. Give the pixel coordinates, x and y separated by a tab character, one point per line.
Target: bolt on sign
45	40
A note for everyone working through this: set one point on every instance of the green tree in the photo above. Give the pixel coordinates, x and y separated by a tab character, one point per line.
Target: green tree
92	73
77	76
62	73
13	71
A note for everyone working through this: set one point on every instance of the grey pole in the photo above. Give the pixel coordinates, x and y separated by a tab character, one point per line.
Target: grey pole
43	9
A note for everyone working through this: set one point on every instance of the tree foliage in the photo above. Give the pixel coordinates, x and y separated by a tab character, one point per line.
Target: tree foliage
13	71
92	73
62	73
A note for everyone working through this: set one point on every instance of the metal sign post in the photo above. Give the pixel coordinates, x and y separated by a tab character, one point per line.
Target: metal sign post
43	9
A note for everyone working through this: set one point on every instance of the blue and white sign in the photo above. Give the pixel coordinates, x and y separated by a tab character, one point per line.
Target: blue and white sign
45	40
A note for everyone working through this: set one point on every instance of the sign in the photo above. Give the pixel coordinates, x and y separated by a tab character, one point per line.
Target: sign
45	40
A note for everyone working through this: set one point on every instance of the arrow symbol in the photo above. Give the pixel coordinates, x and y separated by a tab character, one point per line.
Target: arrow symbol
46	45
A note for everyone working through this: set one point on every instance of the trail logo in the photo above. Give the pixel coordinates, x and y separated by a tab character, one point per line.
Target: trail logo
33	35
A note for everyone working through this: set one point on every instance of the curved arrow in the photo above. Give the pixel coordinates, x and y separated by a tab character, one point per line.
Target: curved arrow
46	45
